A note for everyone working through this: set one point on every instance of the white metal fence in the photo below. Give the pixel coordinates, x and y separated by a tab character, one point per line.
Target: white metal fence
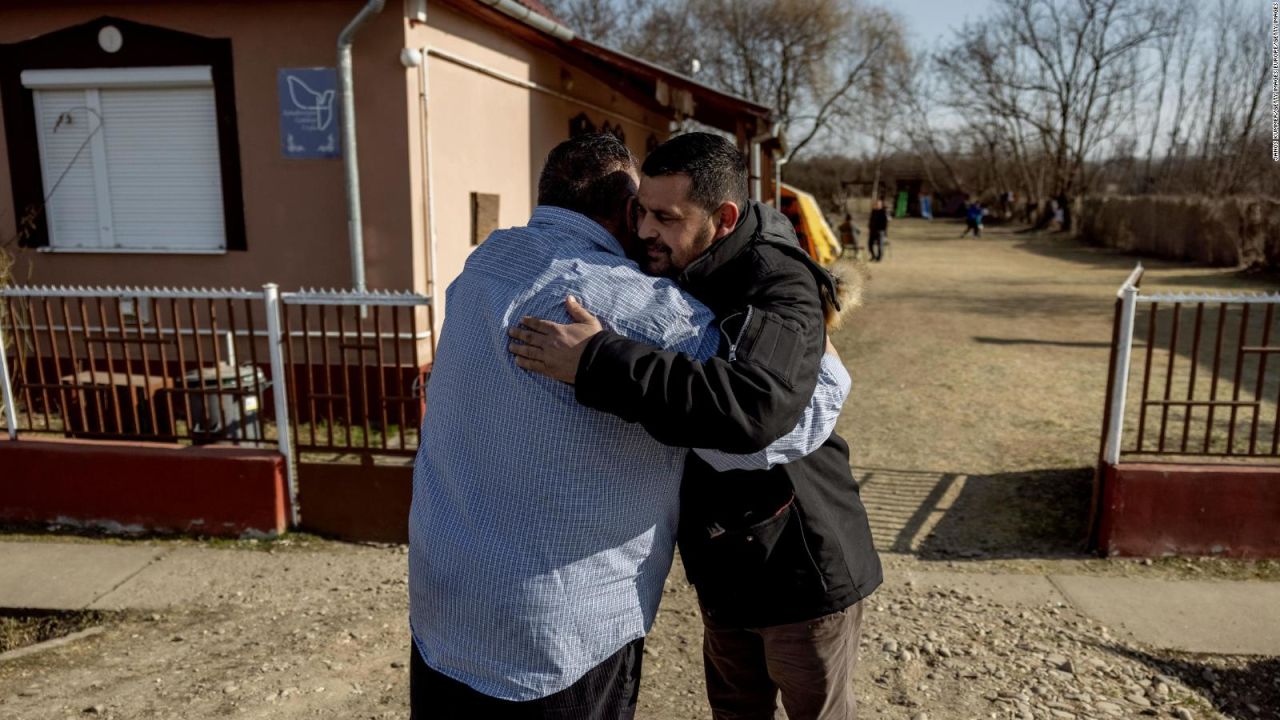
1203	384
216	365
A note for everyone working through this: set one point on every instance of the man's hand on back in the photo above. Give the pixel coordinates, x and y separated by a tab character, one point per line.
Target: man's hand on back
553	349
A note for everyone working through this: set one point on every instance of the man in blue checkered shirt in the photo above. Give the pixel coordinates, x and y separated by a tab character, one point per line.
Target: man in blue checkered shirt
542	532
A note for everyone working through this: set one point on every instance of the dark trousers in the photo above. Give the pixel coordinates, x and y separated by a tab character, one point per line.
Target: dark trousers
810	664
607	692
876	245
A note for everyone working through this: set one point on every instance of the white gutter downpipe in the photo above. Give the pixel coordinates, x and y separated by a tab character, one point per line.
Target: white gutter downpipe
432	242
355	226
757	185
777	181
529	17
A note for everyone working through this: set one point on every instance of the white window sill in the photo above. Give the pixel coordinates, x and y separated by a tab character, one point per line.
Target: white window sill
128	251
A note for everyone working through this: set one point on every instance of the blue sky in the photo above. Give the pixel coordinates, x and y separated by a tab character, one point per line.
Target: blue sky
929	20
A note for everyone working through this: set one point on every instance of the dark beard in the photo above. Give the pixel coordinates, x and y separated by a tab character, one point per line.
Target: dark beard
637	250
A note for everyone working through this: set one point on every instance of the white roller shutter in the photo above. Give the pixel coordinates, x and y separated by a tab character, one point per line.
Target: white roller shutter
163	168
64	126
151	179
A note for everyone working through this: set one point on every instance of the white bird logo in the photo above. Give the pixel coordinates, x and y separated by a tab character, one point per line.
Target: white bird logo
304	98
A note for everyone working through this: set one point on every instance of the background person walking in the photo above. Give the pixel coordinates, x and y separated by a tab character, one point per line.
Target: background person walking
973	219
878	227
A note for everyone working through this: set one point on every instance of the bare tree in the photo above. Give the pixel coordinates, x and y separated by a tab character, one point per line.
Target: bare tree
1179	26
1055	72
919	96
981	72
1052	97
608	22
831	178
1182	120
810	60
669	34
1239	84
813	61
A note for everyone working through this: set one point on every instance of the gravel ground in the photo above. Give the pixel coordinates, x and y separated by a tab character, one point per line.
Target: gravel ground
979	370
318	631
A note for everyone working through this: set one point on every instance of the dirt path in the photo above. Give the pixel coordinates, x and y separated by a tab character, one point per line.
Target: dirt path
989	356
978	371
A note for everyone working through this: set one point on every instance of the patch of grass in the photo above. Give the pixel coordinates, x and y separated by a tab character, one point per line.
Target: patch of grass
63	533
353	436
20	628
1213	567
1173	568
290	541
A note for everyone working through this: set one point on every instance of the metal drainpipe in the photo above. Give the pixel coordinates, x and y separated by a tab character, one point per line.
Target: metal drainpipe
757	185
757	192
777	181
433	276
355	228
429	200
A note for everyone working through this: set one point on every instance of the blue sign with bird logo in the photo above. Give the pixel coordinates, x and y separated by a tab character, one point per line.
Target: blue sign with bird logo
308	112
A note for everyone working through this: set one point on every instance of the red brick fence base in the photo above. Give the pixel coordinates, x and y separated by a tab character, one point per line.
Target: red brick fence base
1151	510
359	502
219	491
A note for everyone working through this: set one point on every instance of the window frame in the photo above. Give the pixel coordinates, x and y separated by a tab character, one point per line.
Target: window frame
76	49
93	82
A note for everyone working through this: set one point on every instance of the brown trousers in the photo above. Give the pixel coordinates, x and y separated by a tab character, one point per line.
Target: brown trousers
810	663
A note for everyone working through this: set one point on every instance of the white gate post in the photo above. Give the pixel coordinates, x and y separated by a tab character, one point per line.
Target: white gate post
6	390
280	392
1120	384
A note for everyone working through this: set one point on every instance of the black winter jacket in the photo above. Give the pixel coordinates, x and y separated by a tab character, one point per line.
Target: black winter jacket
762	547
879	220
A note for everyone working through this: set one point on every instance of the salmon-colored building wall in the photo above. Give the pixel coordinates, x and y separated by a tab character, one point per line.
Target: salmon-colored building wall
295	213
485	135
488	135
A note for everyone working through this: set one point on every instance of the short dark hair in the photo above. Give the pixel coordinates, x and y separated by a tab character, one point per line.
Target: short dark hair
589	174
717	170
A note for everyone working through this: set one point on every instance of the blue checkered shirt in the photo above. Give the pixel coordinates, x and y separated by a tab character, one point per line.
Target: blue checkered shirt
541	532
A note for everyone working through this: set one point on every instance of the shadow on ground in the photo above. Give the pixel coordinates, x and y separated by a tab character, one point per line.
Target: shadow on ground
1052	306
1061	246
20	628
946	515
1065	247
1236	686
983	340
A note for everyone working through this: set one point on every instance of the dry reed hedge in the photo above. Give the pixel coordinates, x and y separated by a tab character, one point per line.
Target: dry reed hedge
1239	231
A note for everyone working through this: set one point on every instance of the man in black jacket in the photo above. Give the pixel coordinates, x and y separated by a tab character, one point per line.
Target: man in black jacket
877	230
781	558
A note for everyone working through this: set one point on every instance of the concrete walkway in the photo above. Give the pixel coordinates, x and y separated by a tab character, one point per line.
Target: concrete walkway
69	576
1194	616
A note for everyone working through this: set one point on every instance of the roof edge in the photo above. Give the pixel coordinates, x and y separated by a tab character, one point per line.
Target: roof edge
719	101
619	58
